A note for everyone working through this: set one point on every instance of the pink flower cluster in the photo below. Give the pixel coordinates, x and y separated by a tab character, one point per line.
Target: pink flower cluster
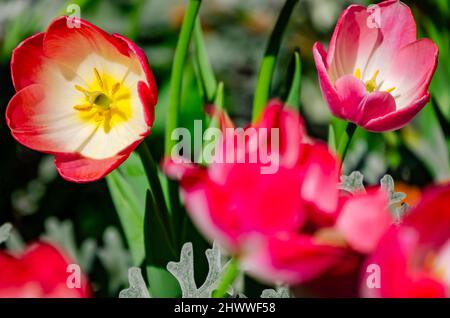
296	226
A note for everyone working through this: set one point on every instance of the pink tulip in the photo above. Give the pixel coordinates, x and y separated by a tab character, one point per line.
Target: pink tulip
414	258
290	226
376	73
41	271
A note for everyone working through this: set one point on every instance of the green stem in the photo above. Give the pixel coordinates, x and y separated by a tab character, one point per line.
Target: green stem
177	71
269	60
151	170
228	278
204	68
345	139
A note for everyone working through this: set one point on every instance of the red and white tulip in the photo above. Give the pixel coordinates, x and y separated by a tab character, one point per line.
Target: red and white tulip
82	95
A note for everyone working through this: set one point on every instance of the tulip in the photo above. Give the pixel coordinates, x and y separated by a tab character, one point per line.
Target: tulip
414	257
289	226
41	271
376	73
82	95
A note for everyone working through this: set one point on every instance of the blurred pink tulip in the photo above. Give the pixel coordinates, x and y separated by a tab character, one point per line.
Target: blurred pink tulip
290	226
41	271
414	257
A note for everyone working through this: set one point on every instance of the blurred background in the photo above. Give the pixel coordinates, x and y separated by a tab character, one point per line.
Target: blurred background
82	218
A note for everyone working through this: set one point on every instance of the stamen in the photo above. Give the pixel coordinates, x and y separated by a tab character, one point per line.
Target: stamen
375	75
83	108
101	101
81	89
390	90
371	85
107	122
122	96
358	73
99	79
115	88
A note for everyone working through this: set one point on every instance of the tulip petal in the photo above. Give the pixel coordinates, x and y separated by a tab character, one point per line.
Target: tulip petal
195	191
351	92
397	280
148	92
366	38
78	169
236	214
26	61
40	272
375	105
364	218
320	174
352	43
139	54
397	119
44	126
431	217
397	29
87	42
91	47
412	71
326	86
290	128
292	258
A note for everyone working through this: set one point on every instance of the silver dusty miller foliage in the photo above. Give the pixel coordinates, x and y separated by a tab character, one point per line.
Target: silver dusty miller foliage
137	288
279	292
184	272
5	231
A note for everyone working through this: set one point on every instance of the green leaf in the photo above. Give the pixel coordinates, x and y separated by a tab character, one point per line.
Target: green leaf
293	99
267	68
331	138
176	78
219	101
425	138
439	85
159	250
128	185
339	127
207	79
154	180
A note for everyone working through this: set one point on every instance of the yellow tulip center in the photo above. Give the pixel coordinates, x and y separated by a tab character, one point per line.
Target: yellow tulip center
371	84
105	102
